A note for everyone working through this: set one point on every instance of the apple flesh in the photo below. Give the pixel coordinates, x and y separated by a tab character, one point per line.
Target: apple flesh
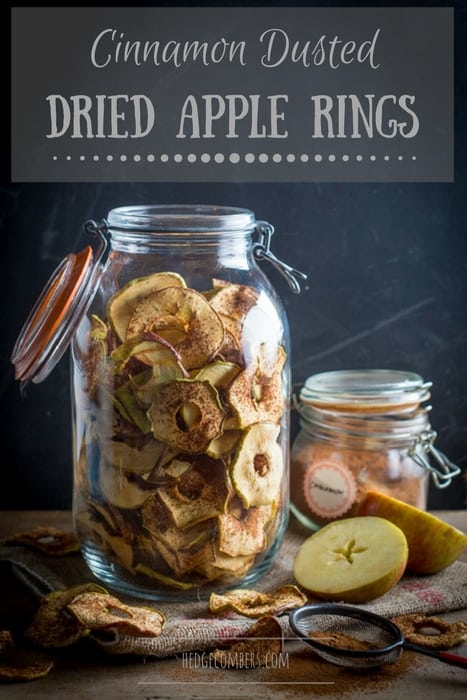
433	543
352	560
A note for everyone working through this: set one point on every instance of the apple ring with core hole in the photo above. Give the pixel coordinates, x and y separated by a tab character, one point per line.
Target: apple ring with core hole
445	636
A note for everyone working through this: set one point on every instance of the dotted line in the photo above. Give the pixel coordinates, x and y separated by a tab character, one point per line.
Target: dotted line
237	158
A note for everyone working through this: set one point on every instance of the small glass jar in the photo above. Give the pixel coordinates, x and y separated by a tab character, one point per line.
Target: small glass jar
180	385
362	430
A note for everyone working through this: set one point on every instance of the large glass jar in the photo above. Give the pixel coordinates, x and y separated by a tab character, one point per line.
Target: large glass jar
181	381
360	431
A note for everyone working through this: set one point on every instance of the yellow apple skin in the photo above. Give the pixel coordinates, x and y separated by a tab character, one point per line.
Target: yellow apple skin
352	560
433	543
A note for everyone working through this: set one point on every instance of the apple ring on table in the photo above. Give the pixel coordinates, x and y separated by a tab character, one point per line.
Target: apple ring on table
445	636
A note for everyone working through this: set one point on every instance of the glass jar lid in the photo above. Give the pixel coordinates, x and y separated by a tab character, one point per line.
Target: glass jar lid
365	390
47	331
182	218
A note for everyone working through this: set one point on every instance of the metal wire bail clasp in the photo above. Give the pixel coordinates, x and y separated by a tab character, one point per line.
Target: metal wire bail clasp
99	229
261	250
423	446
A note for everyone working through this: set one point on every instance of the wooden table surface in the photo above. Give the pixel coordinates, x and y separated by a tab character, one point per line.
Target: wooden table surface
86	673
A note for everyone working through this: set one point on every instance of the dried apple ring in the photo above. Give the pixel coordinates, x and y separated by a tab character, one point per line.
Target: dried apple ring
122	305
244	535
448	634
257	469
256	396
233	300
182	317
186	414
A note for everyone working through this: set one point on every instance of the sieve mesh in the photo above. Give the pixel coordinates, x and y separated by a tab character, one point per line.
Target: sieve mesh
348	636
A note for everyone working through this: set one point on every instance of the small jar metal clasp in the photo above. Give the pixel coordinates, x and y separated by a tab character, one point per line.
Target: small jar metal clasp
422	449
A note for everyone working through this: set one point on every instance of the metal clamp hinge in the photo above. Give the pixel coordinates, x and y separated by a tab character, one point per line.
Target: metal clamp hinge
92	226
262	251
445	471
100	232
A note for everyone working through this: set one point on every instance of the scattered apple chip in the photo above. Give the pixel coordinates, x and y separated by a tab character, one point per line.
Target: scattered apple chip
257	468
185	319
6	641
102	612
52	625
122	305
19	665
259	644
47	539
186	415
251	603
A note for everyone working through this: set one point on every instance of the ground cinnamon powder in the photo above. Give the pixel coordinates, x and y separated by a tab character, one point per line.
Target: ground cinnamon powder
389	472
339	640
305	675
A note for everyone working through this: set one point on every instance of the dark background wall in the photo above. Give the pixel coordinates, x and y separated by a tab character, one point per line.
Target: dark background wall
387	287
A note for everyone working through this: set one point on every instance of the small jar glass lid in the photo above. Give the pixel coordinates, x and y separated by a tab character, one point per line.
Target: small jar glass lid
366	390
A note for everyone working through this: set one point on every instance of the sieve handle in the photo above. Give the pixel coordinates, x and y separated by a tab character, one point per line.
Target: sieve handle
445	656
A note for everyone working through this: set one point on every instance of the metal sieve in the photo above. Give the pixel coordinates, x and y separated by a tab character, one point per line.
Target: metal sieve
348	636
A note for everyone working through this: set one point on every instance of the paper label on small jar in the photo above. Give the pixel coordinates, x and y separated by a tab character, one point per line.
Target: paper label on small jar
329	489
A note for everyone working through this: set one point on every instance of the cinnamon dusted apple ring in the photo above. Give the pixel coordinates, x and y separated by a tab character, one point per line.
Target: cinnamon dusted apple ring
447	635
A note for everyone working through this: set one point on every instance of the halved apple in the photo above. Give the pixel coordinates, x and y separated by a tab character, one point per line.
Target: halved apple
353	560
433	543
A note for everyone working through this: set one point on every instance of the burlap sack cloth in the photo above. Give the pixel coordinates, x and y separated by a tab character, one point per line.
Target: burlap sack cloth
191	627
